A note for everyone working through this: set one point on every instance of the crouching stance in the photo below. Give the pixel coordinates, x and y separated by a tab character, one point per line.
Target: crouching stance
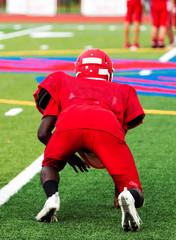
91	115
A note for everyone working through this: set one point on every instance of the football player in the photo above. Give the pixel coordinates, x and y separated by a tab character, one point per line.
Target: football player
161	20
134	14
91	115
171	24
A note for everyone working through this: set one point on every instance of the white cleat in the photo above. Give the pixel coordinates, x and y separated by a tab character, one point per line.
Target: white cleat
50	209
130	217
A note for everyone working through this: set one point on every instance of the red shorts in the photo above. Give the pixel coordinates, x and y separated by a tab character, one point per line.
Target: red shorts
134	12
113	153
160	14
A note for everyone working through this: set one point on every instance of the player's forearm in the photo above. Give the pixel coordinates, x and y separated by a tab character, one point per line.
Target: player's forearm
45	129
45	137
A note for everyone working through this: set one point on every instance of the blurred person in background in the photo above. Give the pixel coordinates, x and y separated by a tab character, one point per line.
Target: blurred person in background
161	22
133	15
172	24
2	4
65	3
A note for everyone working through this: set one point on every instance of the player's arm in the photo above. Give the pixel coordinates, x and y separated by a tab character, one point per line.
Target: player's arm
135	121
47	125
45	129
50	114
134	113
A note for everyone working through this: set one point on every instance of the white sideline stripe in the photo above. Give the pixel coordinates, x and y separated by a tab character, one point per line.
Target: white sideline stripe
24	32
167	56
20	180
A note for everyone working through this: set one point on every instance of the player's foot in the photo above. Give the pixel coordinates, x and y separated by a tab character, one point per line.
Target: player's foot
130	217
135	45
127	45
161	44
154	44
50	209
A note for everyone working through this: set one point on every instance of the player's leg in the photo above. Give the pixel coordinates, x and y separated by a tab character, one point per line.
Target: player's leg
154	36
170	34
161	35
128	20
136	34
137	21
170	31
155	26
119	162
164	18
58	150
126	35
50	180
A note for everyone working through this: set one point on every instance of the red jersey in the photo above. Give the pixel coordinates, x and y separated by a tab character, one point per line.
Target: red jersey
82	103
134	2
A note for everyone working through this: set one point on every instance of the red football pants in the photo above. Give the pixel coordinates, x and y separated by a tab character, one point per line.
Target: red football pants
112	152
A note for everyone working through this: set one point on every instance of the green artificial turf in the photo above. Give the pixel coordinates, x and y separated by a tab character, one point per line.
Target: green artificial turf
86	198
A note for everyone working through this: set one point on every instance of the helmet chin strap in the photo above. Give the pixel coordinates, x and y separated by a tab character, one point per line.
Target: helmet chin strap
77	74
97	78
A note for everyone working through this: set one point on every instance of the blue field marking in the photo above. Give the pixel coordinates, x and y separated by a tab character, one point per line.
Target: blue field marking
39	79
161	80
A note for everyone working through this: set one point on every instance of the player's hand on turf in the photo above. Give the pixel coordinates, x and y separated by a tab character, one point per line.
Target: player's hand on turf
76	162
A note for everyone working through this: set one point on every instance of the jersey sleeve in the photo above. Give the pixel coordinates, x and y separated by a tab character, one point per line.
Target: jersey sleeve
51	108
134	113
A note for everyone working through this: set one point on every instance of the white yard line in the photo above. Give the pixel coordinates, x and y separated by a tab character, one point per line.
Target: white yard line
25	32
167	56
20	180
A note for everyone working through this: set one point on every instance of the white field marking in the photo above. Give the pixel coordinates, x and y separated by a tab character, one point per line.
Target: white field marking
13	112
20	180
2	46
88	47
112	28
81	27
51	34
133	48
145	72
17	26
166	57
143	28
25	32
44	47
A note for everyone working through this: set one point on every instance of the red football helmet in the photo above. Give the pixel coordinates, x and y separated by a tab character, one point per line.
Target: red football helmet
94	64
